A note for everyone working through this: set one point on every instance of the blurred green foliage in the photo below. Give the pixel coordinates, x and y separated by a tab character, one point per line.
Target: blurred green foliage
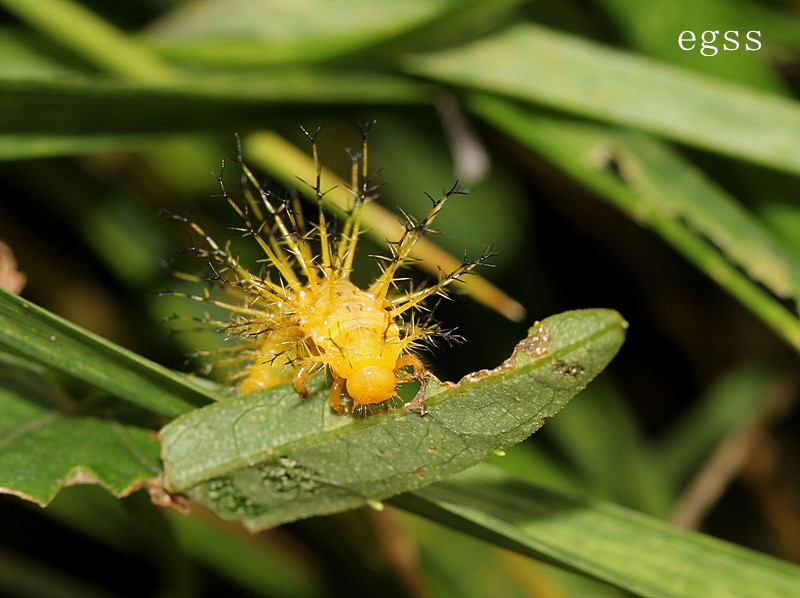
610	169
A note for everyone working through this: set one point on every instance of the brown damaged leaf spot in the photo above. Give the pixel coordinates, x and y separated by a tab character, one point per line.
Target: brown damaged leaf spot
80	477
417	404
568	370
161	496
537	345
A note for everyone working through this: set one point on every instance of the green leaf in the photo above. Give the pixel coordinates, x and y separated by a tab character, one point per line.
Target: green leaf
627	549
568	73
43	449
272	457
43	337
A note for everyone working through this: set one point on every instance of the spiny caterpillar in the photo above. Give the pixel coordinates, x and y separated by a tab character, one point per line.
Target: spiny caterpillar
301	313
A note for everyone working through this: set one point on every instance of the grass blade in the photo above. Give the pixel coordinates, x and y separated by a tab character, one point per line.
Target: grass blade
90	36
43	337
588	79
246	32
658	189
73	106
624	548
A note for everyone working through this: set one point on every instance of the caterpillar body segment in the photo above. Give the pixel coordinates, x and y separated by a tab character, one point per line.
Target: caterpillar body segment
301	313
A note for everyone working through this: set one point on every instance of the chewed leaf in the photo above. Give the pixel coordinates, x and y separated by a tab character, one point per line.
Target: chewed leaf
43	449
271	457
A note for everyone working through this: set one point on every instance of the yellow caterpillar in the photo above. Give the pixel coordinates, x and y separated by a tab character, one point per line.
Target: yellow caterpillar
303	314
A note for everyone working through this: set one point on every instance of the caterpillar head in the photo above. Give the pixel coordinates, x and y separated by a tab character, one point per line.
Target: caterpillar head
371	384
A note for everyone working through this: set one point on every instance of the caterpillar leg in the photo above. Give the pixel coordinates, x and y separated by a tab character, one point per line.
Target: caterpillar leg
417	404
299	378
420	373
336	394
